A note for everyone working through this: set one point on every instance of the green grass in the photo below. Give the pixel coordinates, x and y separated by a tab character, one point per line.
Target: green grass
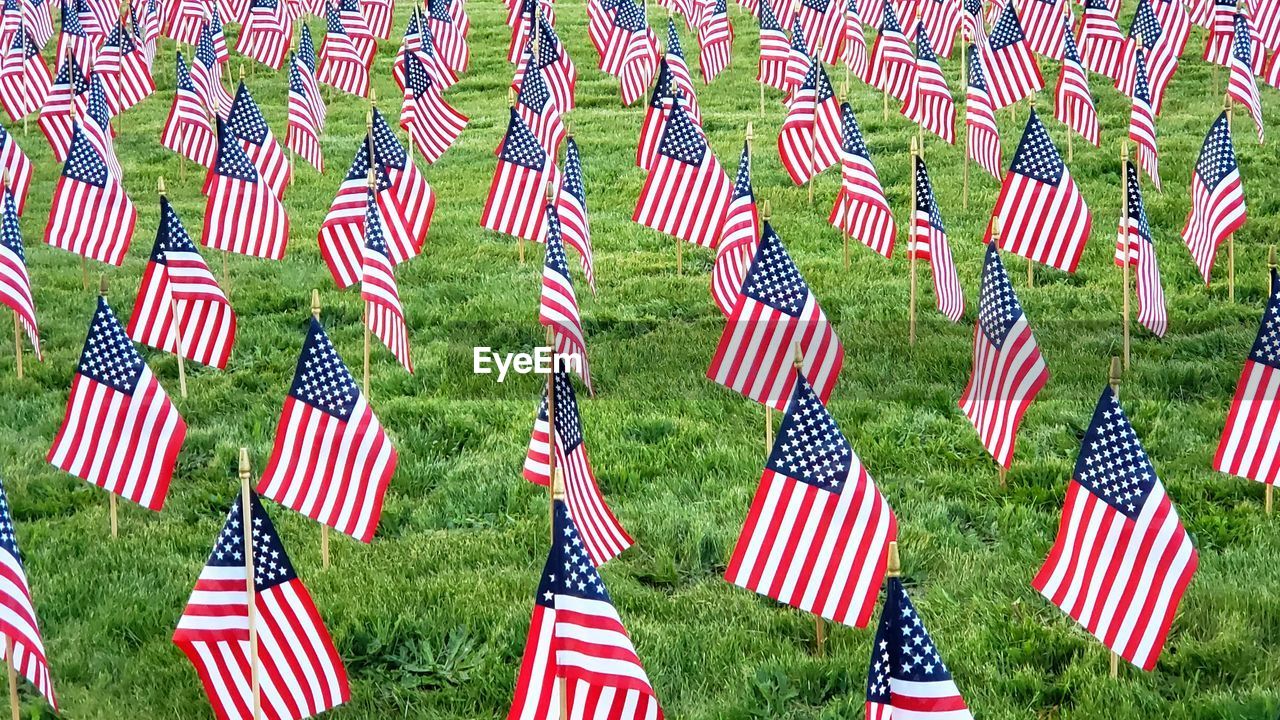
431	617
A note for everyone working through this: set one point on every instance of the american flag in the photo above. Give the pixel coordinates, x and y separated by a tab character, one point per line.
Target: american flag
378	14
235	11
450	44
809	141
929	243
818	532
738	239
15	165
516	203
188	130
775	312
907	677
178	281
20	627
822	22
571	209
1041	211
15	280
410	44
520	17
73	39
715	41
358	28
383	313
941	20
553	61
1200	12
558	309
440	72
797	58
680	79
687	192
861	209
24	78
639	58
602	534
432	123
242	215
600	14
983	134
1248	445
1101	44
540	112
1135	246
665	95
973	23
120	431
1012	72
342	66
95	28
306	57
1074	105
1146	32
267	33
408	202
1042	22
1242	85
91	216
331	460
298	668
1008	370
775	49
206	75
1122	559
341	235
36	17
929	103
1217	48
1142	122
1176	22
458	10
123	71
1217	197
892	62
184	21
302	135
855	42
136	81
628	20
213	26
97	125
246	124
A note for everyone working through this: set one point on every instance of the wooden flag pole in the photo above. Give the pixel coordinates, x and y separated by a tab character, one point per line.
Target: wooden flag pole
768	411
1001	471
17	343
558	494
1113	379
819	622
813	148
1270	488
911	251
964	83
246	525
368	334
324	529
1231	239
1124	225
111	497
177	329
15	709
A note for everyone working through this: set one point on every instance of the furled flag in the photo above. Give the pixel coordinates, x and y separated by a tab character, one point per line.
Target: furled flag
818	532
1008	370
738	239
540	112
1242	85
982	142
188	130
1248	445
809	141
517	197
21	630
184	20
821	26
1176	21
180	308
929	243
1217	48
267	33
342	66
521	15
298	672
892	62
331	460
378	13
15	281
242	214
206	75
854	52
73	40
450	44
383	313
302	135
37	18
679	81
1043	22
120	431
414	200
775	48
861	209
553	61
929	103
797	58
91	215
246	124
1146	33
972	23
715	40
1122	559
686	193
432	123
24	78
1012	72
306	57
558	309
907	677
97	125
941	20
1073	104
1041	212
571	208
357	28
1136	247
1142	122
662	99
636	51
1217	197
1101	44
775	313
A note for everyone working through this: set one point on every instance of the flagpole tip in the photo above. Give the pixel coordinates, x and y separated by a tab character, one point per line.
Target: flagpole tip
1271	257
551	192
1113	378
557	485
315	303
751	131
160	186
798	356
102	285
895	560
244	463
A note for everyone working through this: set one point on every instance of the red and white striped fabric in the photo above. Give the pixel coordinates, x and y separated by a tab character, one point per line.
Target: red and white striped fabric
982	144
432	123
267	33
62	105
342	65
91	216
1273	71
331	460
1122	560
1175	22
1142	122
540	112
1136	247
135	83
775	49
383	313
120	431
1073	101
306	62
854	51
378	13
408	202
1217	47
449	42
19	627
184	20
302	135
1266	15
246	125
822	23
1217	197
15	165
15	280
861	209
1242	84
517	196
1249	441
1101	46
809	141
892	62
738	239
686	193
298	669
558	309
206	75
571	207
557	68
242	214
188	130
929	242
36	16
715	41
1042	21
96	123
941	20
929	103
1011	69
24	78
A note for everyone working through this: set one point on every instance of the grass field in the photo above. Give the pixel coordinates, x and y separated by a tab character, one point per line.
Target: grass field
432	616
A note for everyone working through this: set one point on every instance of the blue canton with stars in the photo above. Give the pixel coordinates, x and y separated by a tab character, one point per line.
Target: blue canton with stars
386	148
810	447
271	565
245	120
773	278
83	162
973	7
768	21
109	356
1145	26
816	5
798	42
1218	156
533	92
664	88
569	570
8	539
925	200
205	54
375	239
1137	208
232	161
439	10
1241	45
321	379
548	43
681	139
184	82
573	173
10	231
520	146
1141	86
1008	29
71	21
977	78
903	649
568	422
171	236
1037	157
1266	347
1113	464
890	23
816	79
998	306
1070	52
416	76
555	260
296	85
630	17
924	48
742	182
851	140
673	40
307	48
333	24
97	105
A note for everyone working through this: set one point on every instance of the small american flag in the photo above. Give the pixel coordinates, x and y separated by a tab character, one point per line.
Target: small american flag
432	123
516	203
206	74
1122	559
929	103
120	431
679	80
797	58
571	208
558	309
738	239
414	200
15	164
342	65
1042	21
440	72
973	23
242	214
358	28
1101	43
307	68
553	61
1217	48
1012	72
540	113
1142	122
1074	105
1135	246
342	238
188	131
136	83
378	14
36	16
983	134
298	668
179	299
855	42
1248	443
775	48
1008	370
1217	197
715	40
20	626
331	460
267	33
818	532
665	95
822	26
91	215
861	209
450	44
775	312
929	243
600	14
892	62
15	280
246	124
97	125
941	20
1041	210
1242	85
302	134
184	20
1146	32
410	43
1176	21
24	78
907	677
632	52
73	38
686	193
809	141
1273	70
62	105
383	312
